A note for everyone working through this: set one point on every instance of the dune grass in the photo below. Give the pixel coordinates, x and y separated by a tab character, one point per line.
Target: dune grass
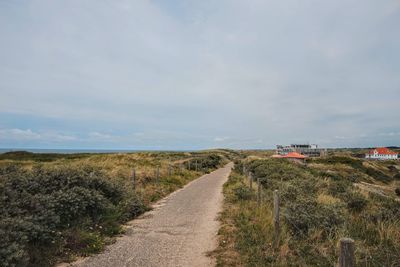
319	205
54	209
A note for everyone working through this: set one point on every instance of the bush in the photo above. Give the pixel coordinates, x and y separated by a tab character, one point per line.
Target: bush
388	209
278	169
338	187
378	175
307	214
243	192
298	188
206	163
355	163
39	206
397	191
356	202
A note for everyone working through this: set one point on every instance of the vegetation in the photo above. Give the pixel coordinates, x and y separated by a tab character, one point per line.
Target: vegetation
55	209
320	203
397	190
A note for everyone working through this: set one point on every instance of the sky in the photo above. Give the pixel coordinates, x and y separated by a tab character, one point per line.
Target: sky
186	74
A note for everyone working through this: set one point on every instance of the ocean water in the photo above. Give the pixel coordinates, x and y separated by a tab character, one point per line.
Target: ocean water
65	151
75	151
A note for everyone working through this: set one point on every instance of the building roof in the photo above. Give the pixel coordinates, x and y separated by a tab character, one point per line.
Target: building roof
290	155
294	155
382	151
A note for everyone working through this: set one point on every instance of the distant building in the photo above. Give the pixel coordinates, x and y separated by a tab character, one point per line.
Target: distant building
381	153
304	149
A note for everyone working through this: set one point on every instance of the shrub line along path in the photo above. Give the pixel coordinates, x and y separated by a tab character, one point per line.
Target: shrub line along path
179	231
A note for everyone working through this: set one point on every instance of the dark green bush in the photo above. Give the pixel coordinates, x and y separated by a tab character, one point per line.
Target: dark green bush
39	206
338	187
277	169
355	163
39	157
392	168
243	192
306	214
298	188
207	163
378	175
397	191
388	209
356	202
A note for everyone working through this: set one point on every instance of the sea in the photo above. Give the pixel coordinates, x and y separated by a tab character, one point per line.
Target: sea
66	151
77	151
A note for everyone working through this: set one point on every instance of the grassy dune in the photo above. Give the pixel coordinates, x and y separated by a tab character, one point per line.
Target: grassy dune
320	203
57	207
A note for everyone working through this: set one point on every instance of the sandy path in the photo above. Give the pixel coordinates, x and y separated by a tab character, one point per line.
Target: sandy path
179	231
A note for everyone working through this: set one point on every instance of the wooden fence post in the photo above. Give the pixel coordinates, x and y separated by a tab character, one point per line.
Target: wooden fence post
346	256
189	166
133	176
244	170
276	219
258	192
169	170
158	173
251	180
196	166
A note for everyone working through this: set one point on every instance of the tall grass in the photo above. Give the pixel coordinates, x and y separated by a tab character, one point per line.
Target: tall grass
55	209
316	211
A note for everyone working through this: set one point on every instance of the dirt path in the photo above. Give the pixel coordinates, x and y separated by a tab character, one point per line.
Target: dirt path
179	231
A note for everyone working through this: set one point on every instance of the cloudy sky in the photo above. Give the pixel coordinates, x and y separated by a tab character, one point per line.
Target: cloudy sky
186	74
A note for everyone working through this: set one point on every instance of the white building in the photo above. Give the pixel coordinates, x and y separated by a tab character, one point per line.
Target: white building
304	149
381	153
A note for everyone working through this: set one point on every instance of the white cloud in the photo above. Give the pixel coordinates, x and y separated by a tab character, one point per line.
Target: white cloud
18	134
29	135
98	135
194	72
221	139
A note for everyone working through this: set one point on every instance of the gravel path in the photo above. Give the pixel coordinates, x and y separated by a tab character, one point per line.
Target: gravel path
179	231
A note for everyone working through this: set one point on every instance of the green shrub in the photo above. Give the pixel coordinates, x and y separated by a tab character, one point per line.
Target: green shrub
243	192
388	209
206	163
38	206
356	202
298	188
338	187
39	157
355	163
378	175
306	214
397	191
277	169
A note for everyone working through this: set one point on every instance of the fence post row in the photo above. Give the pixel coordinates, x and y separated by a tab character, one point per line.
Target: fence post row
346	256
258	192
251	180
133	176
169	170
276	219
347	247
